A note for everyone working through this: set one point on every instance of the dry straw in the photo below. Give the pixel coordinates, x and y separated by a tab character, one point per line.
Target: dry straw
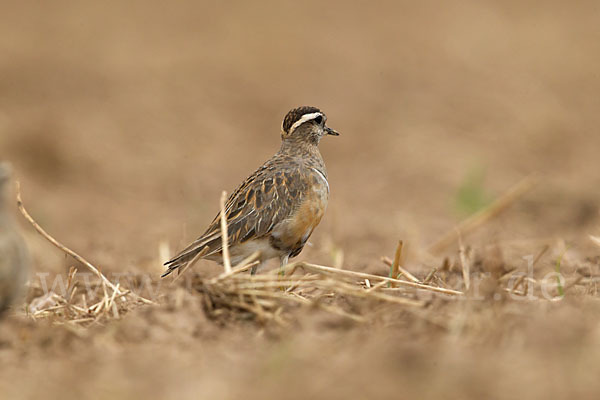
264	296
66	306
270	296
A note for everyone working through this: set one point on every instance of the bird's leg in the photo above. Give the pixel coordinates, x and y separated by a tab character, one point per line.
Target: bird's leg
255	268
284	260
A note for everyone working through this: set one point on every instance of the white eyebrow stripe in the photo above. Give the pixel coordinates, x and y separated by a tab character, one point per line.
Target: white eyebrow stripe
305	117
322	176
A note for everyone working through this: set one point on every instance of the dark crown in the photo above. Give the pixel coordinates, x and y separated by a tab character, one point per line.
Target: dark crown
294	115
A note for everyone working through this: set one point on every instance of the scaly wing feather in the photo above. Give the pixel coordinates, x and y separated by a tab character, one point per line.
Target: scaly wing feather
252	210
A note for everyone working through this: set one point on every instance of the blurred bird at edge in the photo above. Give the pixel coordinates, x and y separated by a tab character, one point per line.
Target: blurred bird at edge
14	257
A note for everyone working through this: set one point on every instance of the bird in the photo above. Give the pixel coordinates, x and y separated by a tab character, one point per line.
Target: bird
14	257
277	208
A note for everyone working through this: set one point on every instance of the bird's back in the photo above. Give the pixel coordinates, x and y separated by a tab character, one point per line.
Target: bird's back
284	189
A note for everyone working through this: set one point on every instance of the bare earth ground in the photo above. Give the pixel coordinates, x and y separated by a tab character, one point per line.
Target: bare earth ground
125	123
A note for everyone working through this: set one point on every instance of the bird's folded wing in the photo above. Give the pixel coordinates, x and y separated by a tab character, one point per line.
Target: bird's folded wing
267	197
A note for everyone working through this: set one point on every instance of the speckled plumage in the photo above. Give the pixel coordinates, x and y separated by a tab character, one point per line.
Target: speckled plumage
276	209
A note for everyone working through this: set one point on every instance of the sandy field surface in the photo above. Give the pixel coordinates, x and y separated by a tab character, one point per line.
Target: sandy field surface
124	122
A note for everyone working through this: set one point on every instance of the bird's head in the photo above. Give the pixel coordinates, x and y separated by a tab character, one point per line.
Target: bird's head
305	124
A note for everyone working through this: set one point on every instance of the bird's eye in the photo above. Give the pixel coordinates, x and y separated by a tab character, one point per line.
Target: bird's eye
319	119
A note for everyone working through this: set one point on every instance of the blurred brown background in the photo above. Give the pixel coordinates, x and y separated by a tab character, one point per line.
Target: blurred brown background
126	120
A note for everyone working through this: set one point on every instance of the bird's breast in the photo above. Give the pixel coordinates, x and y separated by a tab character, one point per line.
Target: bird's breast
293	233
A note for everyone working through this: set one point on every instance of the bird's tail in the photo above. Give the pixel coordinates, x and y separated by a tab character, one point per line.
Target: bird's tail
172	267
184	258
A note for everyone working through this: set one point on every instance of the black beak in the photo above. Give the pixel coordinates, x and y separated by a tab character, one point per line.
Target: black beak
330	131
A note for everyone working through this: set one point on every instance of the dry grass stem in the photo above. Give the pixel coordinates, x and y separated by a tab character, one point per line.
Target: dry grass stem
401	271
265	296
375	287
493	210
396	264
540	254
362	275
66	308
225	234
465	262
56	243
430	276
271	297
244	265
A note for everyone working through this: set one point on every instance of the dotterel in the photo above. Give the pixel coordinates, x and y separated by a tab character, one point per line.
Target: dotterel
276	209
